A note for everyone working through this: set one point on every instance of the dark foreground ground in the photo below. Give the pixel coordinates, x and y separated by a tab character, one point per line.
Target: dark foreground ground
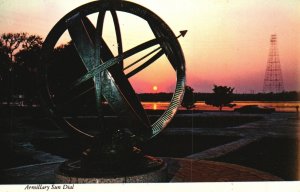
265	142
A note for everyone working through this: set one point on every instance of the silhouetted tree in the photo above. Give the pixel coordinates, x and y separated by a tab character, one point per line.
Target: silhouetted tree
4	58
27	61
221	97
12	42
4	66
188	100
17	61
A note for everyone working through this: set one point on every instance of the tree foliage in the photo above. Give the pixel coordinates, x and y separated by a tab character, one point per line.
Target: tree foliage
12	43
19	58
222	96
188	100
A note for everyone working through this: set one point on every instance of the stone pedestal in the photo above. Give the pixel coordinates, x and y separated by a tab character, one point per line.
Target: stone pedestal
71	172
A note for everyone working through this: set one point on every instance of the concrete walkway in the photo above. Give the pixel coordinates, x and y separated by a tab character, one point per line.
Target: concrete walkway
179	170
224	149
276	125
192	168
209	171
272	125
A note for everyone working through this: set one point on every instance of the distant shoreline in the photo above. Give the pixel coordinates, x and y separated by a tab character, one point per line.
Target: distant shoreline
284	96
200	106
160	106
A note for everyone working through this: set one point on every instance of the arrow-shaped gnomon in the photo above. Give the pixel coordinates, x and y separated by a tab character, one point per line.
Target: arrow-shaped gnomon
111	62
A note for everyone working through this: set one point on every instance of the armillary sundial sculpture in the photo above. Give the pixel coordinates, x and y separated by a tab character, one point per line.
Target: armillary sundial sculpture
112	151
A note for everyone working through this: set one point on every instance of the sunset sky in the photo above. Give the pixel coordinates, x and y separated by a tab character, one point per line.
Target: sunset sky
227	41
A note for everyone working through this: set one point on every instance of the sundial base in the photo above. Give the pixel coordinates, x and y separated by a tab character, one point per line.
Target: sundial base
148	170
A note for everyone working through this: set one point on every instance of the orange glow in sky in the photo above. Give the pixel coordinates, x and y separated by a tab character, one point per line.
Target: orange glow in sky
227	41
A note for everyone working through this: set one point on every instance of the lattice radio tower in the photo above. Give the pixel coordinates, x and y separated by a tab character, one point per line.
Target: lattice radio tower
273	81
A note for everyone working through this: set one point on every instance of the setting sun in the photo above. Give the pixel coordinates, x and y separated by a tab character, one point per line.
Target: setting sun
222	35
154	88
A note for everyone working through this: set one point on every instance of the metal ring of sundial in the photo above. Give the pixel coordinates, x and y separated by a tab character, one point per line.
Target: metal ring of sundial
107	69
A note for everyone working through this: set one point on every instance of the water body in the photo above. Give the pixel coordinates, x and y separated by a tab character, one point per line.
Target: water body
287	106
